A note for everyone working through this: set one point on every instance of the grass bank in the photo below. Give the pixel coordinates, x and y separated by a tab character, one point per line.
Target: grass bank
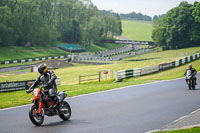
20	52
180	53
13	52
137	30
106	46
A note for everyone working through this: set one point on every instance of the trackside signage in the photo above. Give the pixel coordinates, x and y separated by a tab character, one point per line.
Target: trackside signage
13	86
20	85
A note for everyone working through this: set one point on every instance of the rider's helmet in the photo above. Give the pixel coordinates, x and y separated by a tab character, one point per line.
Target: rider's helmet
42	68
190	66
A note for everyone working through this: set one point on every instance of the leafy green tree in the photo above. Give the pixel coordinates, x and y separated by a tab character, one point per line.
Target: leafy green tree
43	22
178	28
5	28
194	31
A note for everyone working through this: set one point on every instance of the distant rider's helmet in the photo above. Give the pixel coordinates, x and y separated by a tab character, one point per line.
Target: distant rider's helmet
42	68
190	66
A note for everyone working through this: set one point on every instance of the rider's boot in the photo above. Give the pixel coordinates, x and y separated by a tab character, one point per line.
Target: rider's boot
186	81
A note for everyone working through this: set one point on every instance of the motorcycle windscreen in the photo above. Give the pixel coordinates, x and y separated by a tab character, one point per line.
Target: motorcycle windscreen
189	72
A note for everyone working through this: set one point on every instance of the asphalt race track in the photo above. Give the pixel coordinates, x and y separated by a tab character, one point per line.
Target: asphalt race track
134	109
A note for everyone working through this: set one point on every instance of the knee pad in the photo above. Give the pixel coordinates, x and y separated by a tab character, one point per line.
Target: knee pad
52	93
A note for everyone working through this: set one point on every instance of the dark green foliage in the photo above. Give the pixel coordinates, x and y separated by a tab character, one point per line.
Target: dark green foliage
179	28
42	22
135	16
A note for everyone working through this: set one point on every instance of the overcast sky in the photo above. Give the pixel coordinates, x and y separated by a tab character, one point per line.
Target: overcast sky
147	7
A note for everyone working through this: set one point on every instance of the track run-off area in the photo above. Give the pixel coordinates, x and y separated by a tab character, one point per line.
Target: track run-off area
133	109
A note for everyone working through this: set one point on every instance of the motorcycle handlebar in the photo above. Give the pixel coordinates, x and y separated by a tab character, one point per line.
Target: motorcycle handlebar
31	89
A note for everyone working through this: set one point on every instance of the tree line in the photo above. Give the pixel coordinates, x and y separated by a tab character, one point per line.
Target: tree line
179	28
135	16
42	22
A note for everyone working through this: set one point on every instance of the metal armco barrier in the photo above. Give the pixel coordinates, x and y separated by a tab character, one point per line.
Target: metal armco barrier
129	73
124	74
148	70
30	60
166	66
100	55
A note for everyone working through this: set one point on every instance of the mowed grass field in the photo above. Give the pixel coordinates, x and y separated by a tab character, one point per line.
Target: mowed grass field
137	30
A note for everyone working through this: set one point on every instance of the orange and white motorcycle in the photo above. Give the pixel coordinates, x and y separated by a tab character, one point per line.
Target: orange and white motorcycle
48	107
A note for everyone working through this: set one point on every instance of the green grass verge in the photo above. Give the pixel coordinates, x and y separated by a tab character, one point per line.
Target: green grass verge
192	130
17	98
137	30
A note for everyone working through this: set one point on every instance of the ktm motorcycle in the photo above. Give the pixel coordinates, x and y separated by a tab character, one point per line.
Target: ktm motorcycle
48	107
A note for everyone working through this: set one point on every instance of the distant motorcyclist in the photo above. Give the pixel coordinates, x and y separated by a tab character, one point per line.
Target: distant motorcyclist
194	72
47	78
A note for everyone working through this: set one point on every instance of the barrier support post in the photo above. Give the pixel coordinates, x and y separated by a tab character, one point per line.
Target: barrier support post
79	79
99	76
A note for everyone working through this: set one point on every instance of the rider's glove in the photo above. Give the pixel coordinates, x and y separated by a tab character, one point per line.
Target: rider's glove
29	90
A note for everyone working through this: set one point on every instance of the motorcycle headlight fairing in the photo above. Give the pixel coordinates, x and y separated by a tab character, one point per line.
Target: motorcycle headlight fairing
36	92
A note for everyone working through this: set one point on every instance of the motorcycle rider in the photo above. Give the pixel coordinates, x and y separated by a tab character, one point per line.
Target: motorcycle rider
194	72
47	78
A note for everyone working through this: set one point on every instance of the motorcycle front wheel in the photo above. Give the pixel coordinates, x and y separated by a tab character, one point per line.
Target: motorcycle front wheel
65	111
189	85
193	85
36	118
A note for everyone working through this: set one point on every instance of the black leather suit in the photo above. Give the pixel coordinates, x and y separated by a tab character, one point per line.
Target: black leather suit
194	72
49	84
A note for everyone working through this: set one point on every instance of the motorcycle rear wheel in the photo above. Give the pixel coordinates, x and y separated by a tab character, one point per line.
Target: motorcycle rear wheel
189	86
66	114
193	87
36	118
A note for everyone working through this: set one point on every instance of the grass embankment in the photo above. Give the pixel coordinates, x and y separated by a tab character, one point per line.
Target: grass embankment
107	46
137	30
69	78
192	130
12	53
180	53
